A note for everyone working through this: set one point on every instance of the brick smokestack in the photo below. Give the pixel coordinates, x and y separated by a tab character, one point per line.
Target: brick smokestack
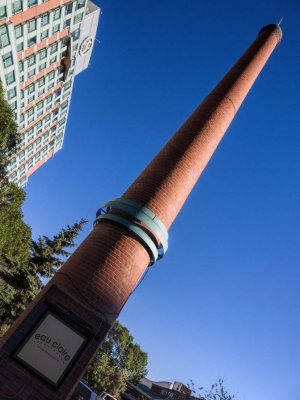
91	288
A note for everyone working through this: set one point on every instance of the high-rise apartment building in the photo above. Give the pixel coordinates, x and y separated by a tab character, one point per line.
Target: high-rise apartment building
43	45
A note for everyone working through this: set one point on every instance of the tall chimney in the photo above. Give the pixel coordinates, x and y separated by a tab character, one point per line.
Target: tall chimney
49	346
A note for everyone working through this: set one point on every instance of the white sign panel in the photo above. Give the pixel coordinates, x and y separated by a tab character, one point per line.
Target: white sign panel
51	348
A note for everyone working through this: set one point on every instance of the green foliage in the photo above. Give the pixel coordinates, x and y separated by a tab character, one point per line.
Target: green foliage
9	138
103	375
117	361
46	254
20	279
15	235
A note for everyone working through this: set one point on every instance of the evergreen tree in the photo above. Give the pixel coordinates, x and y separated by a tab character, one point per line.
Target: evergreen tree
20	279
46	254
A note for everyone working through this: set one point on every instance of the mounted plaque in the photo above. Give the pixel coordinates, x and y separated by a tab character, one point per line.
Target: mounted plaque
51	348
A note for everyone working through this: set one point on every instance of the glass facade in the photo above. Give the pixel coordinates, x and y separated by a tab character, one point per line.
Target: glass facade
38	53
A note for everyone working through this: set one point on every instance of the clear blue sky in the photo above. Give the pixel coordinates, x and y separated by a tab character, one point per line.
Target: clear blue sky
225	300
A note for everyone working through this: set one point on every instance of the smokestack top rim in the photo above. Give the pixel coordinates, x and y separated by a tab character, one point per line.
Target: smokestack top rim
272	28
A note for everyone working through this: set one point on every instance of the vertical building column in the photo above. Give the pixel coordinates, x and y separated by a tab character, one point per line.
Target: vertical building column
79	305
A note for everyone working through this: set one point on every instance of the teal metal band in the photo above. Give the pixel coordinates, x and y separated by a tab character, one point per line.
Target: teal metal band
148	212
141	215
136	230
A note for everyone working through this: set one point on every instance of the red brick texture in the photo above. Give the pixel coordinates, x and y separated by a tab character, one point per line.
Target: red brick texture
96	281
167	181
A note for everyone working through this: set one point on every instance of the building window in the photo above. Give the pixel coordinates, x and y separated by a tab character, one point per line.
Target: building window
32	3
30	112
56	28
68	8
51	75
63	54
10	77
78	18
39	107
13	163
65	41
67	85
30	135
39	125
7	59
17	6
21	66
52	60
56	13
41	82
45	137
22	140
13	105
4	38
23	182
32	41
67	23
3	13
54	48
31	88
76	34
80	4
31	60
45	19
43	54
19	31
11	93
31	25
42	66
44	34
49	99
31	73
20	46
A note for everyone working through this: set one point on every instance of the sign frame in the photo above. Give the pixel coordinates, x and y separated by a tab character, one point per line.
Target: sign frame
28	336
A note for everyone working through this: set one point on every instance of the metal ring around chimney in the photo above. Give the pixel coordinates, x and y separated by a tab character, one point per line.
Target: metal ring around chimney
143	215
